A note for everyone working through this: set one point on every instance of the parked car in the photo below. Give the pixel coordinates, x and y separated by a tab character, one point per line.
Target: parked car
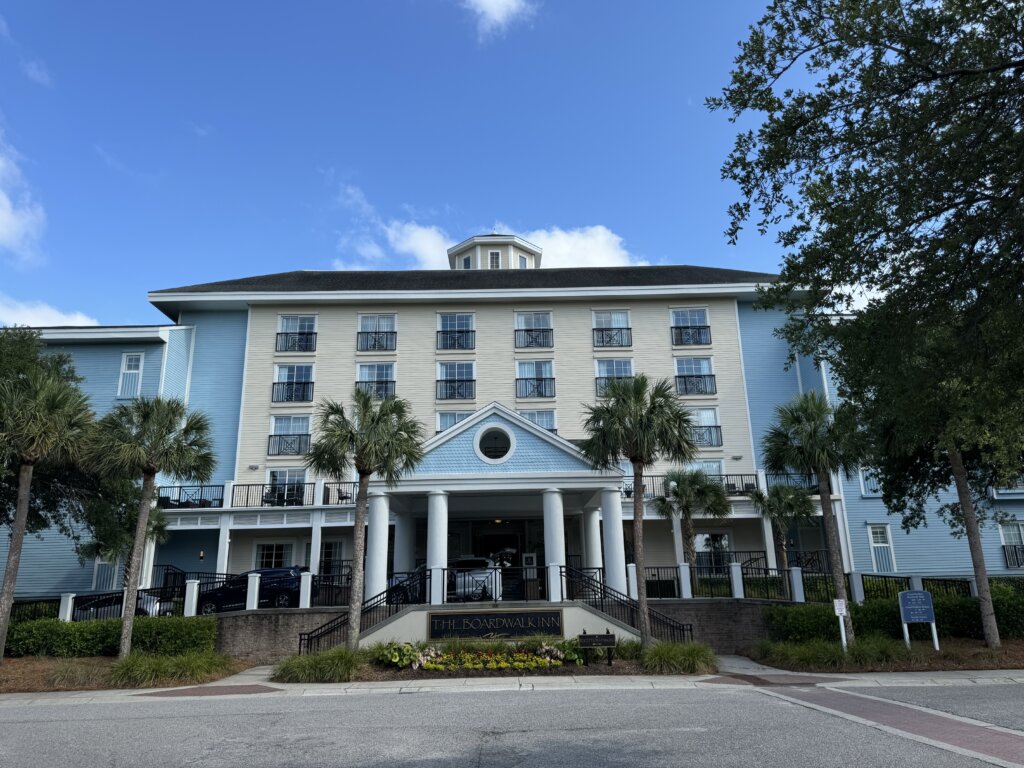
279	588
473	578
108	606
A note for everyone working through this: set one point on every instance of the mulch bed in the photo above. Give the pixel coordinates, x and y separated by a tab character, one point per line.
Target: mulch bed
373	673
33	674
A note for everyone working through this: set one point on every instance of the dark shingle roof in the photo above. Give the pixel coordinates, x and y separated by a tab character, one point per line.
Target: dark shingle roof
472	280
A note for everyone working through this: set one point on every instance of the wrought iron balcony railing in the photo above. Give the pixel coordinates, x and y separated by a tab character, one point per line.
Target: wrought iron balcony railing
376	341
292	392
296	342
613	337
456	339
456	389
806	482
273	495
190	497
377	389
706	436
288	445
696	384
339	493
1014	555
655	485
533	338
601	383
690	335
535	388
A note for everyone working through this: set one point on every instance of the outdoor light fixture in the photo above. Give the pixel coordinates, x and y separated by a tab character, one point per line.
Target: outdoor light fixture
202	554
497	520
253	467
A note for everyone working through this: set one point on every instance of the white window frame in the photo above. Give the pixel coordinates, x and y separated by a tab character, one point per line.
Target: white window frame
871	546
291	416
520	312
864	492
552	411
1018	524
595	312
490	259
599	360
273	543
437	419
278	367
718	417
283	315
455	362
472	321
673	310
303	470
361	315
709	358
534	362
121	395
363	363
693	466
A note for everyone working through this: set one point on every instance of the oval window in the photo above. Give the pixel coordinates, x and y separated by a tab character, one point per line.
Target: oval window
495	443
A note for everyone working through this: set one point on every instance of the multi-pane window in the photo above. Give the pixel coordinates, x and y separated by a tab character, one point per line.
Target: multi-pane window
690	326
609	370
869	482
293	384
291	425
494	259
522	262
289	436
376	323
543	419
376	332
694	377
713	468
706	431
466	262
287	476
456	381
455	371
455	331
448	419
533	329
273	555
296	333
693	366
535	378
129	383
1013	533
456	321
377	379
298	324
533	320
611	329
882	558
294	373
1013	544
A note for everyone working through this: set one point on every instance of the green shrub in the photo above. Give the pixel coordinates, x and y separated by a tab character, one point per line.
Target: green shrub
868	652
76	675
166	635
333	666
394	654
800	623
680	659
143	670
628	650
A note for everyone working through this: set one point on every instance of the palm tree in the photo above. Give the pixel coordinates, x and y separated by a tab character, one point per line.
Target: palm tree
641	423
379	437
784	506
805	439
42	417
689	493
147	437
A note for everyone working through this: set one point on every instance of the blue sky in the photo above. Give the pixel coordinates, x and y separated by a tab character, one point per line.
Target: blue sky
146	146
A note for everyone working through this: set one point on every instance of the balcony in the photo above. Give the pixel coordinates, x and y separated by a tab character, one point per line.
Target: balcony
339	493
288	445
691	335
376	341
273	495
613	337
456	389
808	483
456	339
1013	554
699	384
190	497
601	383
706	436
296	342
534	338
535	388
292	392
654	485
377	389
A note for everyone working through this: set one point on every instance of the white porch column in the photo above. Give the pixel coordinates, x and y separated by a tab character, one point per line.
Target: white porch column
191	596
614	545
224	542
252	592
315	541
677	540
148	556
66	609
769	542
376	545
592	538
437	543
305	589
405	542
554	541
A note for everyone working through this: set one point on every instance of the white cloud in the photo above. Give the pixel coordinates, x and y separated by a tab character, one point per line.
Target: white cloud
37	72
38	313
22	219
354	199
594	246
494	16
426	244
199	130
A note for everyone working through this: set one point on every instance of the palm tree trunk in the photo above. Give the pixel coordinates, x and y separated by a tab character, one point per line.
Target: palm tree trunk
644	618
689	538
973	530
355	600
131	578
14	553
780	547
835	552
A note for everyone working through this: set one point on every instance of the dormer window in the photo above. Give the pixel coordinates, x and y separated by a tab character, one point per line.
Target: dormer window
494	259
466	262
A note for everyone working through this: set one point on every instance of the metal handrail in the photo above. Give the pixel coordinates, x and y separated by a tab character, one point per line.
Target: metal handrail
288	445
532	338
292	392
296	342
376	341
535	387
696	384
690	335
613	337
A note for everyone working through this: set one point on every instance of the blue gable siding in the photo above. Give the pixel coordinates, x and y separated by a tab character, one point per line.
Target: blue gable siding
176	366
458	456
216	387
49	565
99	364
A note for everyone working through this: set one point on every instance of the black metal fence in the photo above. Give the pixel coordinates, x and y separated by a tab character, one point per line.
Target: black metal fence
710	581
706	435
813	560
377	389
456	389
32	608
1013	554
287	445
766	584
883	587
339	493
524	584
273	495
190	497
330	590
662	581
947	587
818	587
456	339
601	383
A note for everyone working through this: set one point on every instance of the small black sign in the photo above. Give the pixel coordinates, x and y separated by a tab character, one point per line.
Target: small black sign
495	624
597	641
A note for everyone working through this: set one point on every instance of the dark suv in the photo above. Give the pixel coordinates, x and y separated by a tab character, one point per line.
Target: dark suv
279	588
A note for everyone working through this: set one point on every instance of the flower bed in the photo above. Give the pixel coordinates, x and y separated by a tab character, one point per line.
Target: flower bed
456	657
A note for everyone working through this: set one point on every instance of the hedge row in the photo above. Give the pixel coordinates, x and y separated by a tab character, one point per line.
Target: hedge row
954	617
163	636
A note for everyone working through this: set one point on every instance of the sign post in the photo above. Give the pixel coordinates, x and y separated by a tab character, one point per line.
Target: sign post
840	609
916	608
589	642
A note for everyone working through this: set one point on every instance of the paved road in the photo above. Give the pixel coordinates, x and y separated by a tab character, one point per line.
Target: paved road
713	726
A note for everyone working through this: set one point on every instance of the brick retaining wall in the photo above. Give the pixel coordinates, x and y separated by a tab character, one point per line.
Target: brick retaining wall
269	635
728	626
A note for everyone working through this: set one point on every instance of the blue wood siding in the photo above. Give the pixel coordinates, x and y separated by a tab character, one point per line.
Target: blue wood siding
49	565
179	350
182	550
99	364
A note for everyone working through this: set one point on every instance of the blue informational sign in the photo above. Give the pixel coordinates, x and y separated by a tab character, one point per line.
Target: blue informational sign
916	607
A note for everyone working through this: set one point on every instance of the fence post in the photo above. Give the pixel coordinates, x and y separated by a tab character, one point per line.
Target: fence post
252	592
685	585
191	596
305	589
857	587
916	583
229	495
67	606
796	585
736	577
631	580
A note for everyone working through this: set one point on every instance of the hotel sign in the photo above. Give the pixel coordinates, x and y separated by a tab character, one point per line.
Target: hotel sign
494	624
